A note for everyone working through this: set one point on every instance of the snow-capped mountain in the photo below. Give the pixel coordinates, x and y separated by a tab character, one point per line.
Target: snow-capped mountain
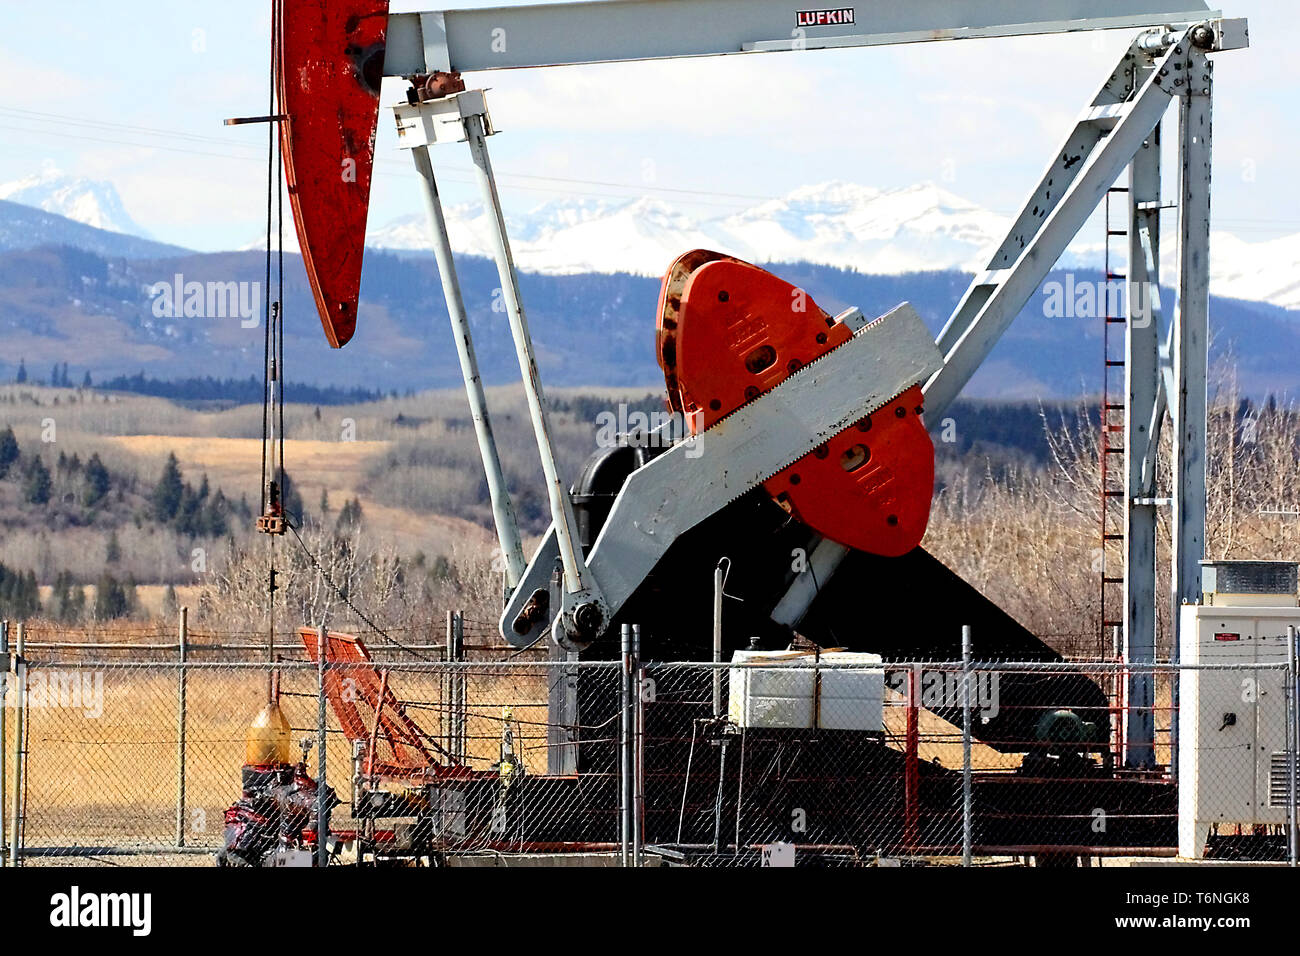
1266	271
878	231
871	230
87	201
881	231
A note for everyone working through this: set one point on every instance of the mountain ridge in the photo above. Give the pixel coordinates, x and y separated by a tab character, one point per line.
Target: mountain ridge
96	313
921	227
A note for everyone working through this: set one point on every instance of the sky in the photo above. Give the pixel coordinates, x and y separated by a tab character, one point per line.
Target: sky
135	92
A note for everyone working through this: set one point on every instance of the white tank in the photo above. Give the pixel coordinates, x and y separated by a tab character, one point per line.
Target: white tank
788	690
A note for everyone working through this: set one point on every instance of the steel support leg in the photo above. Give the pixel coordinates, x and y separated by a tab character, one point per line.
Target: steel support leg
1187	404
1142	385
503	513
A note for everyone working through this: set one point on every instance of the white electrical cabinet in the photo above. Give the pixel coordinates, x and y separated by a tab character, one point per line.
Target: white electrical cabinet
783	690
1233	731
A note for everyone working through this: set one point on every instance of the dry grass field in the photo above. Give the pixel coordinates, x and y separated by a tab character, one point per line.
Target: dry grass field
103	763
338	468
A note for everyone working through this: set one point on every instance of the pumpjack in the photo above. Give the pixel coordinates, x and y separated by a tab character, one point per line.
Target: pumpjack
795	433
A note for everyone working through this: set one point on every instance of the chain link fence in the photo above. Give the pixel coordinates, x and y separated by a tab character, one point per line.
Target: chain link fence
460	754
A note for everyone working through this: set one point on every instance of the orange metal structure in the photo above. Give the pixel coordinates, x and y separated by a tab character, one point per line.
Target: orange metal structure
368	711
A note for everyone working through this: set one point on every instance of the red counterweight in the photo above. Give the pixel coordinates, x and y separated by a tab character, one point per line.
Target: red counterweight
729	331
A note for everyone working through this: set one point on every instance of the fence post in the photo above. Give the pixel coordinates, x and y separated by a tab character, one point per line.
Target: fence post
965	747
4	686
638	749
322	817
454	681
20	715
182	640
1293	743
625	748
448	705
460	680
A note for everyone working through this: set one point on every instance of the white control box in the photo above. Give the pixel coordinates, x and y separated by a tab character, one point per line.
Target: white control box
1232	751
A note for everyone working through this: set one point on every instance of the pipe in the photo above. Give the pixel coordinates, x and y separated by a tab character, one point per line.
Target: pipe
503	512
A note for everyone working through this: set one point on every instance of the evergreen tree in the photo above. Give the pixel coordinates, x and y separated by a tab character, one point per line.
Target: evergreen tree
97	480
8	450
59	595
187	518
213	521
111	598
349	516
21	377
112	550
85	380
19	595
36	489
67	602
167	494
